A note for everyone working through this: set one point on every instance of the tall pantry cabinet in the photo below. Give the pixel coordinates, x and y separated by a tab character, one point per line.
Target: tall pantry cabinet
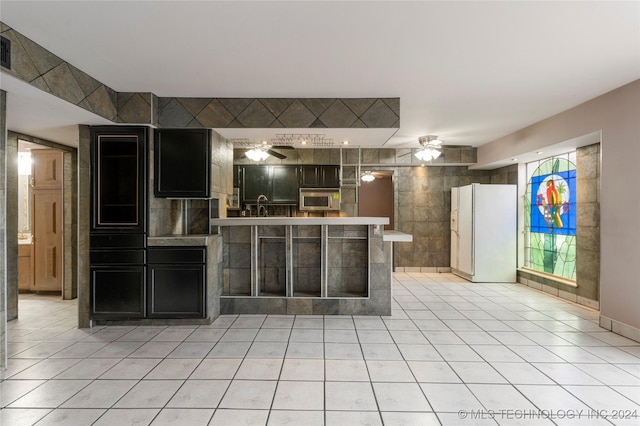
118	222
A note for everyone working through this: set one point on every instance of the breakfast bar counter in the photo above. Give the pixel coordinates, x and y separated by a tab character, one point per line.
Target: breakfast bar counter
305	265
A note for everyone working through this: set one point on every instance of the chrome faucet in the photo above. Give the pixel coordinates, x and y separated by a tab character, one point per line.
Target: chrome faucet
263	207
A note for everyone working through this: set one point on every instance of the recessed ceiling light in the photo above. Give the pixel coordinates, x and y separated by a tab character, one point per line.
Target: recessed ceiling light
539	152
303	142
345	142
514	159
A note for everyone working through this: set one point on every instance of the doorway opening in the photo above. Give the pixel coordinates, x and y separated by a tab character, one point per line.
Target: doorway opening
45	217
375	197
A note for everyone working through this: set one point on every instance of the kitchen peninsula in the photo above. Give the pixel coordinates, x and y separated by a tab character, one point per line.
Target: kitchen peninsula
289	265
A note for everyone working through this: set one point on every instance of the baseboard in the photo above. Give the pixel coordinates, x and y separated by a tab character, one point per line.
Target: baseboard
620	328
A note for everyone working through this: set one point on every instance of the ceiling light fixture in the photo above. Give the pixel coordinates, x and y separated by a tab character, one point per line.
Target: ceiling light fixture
257	154
431	148
367	177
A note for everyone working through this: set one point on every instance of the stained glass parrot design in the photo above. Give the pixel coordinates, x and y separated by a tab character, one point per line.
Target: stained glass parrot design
552	205
554	201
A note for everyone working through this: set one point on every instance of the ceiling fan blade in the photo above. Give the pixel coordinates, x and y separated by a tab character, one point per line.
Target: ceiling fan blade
283	147
276	154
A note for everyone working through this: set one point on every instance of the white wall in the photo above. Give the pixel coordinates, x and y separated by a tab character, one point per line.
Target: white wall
617	115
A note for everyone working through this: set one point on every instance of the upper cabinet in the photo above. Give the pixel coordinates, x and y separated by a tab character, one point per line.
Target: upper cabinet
278	183
118	178
182	163
314	176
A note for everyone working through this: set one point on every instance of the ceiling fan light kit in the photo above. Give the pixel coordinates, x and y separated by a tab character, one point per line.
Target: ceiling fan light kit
257	154
367	177
431	148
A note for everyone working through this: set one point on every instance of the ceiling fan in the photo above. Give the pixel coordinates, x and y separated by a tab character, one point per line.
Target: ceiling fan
431	148
261	152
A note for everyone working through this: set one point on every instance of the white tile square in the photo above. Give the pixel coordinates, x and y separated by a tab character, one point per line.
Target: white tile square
299	395
273	335
306	335
433	372
10	390
100	394
476	372
293	418
249	394
179	417
400	397
267	350
450	397
389	371
340	336
412	352
199	394
149	394
346	370
521	373
131	368
305	350
22	416
344	418
374	336
409	336
220	368
259	369
90	368
229	350
50	394
173	369
154	350
566	374
225	417
381	351
71	417
127	416
410	419
303	369
350	396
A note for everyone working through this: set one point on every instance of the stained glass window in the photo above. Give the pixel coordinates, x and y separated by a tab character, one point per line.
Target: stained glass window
550	216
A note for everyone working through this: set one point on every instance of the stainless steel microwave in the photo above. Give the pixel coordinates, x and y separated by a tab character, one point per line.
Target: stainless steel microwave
319	199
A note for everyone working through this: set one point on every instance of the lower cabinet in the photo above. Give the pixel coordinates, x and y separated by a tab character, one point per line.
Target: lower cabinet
176	282
118	292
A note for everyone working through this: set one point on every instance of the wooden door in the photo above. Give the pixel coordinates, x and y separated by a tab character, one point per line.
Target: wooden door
47	227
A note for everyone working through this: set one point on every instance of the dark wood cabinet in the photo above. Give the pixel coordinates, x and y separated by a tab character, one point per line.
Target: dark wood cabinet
284	185
317	176
117	237
182	163
117	292
255	182
176	282
118	174
278	183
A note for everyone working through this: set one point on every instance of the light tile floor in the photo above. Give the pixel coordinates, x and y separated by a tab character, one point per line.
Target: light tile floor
452	353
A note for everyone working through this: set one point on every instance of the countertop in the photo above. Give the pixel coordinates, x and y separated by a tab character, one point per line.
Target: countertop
397	237
181	240
248	221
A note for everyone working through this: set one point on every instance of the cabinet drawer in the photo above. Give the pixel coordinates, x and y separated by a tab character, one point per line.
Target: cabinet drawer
117	257
177	255
105	241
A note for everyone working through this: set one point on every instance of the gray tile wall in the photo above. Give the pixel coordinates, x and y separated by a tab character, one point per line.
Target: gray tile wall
11	224
3	231
84	222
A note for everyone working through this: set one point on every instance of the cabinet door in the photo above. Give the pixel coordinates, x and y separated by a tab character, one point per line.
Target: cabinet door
182	160
330	176
284	185
255	182
118	292
310	177
119	177
176	291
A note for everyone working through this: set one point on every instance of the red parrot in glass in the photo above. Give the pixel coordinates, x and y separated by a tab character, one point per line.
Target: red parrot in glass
554	200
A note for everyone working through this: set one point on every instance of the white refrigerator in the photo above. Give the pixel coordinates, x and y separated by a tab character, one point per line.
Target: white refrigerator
484	232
